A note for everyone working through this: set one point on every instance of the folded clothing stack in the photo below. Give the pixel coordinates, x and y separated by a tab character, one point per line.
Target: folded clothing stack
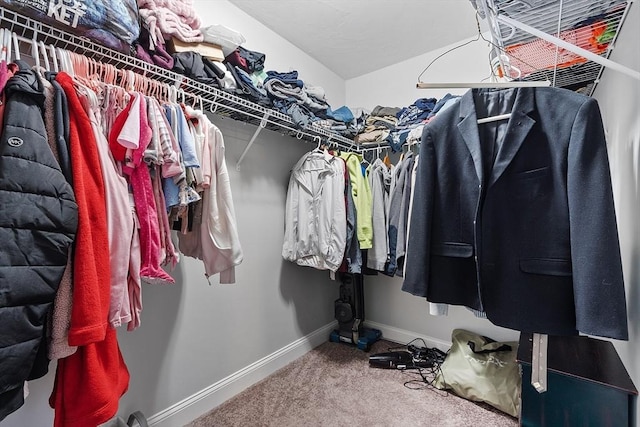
170	18
162	20
379	124
302	102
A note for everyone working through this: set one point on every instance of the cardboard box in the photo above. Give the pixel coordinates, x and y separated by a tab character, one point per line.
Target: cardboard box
208	50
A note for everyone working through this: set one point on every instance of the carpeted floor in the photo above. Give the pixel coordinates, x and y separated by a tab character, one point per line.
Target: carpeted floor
333	385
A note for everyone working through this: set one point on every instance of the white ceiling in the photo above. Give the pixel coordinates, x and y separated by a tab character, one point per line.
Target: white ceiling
355	37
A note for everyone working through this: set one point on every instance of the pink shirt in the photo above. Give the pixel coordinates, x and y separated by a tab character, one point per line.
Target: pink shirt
119	217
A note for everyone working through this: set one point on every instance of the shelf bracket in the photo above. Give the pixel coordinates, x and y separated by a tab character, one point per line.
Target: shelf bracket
539	362
263	124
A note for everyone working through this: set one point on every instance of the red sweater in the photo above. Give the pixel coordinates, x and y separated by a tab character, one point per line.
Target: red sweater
90	382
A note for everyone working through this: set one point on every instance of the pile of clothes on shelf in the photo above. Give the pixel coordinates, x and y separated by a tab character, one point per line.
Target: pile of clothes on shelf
241	72
396	127
162	20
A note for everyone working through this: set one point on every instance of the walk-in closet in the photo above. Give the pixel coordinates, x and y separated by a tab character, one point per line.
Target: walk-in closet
319	213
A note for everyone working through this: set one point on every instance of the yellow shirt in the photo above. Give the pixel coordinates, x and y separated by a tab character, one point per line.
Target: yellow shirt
361	192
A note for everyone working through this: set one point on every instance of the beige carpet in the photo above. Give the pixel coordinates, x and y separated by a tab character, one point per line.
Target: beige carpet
333	385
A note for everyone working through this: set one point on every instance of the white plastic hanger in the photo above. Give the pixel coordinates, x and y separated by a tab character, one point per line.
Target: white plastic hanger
9	38
3	47
52	52
65	62
494	118
34	51
16	47
45	56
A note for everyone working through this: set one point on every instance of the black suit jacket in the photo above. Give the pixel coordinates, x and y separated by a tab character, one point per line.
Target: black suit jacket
517	218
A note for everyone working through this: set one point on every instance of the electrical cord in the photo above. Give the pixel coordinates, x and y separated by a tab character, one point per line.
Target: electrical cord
426	365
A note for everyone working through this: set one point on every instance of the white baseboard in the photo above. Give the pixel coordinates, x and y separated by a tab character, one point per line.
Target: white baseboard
208	398
403	336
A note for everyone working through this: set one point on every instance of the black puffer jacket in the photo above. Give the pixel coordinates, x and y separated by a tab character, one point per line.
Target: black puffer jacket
38	221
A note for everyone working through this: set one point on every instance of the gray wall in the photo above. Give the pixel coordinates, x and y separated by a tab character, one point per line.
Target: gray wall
619	98
194	334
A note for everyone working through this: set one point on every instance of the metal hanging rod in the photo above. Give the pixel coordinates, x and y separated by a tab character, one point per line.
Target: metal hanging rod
473	85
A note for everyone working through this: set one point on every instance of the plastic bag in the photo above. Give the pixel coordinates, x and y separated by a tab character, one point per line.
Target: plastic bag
483	370
225	37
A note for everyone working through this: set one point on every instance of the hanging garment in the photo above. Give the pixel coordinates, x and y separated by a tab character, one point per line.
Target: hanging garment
353	254
380	182
398	212
361	192
59	319
37	227
177	191
88	383
141	184
134	280
516	218
118	213
169	165
214	239
403	212
315	221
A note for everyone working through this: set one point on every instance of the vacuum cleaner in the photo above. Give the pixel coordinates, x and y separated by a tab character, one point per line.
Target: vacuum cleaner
349	312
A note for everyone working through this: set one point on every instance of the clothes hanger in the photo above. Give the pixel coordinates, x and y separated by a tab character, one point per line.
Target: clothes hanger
152	89
387	159
11	44
74	62
62	63
52	52
318	148
494	118
15	55
5	50
111	75
473	85
67	59
182	96
213	106
45	56
165	89
155	90
34	50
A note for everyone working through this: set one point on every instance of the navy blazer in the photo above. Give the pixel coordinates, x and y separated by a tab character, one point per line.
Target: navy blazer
516	218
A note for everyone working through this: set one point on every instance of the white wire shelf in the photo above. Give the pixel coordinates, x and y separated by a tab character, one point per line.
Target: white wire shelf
212	99
589	25
544	15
